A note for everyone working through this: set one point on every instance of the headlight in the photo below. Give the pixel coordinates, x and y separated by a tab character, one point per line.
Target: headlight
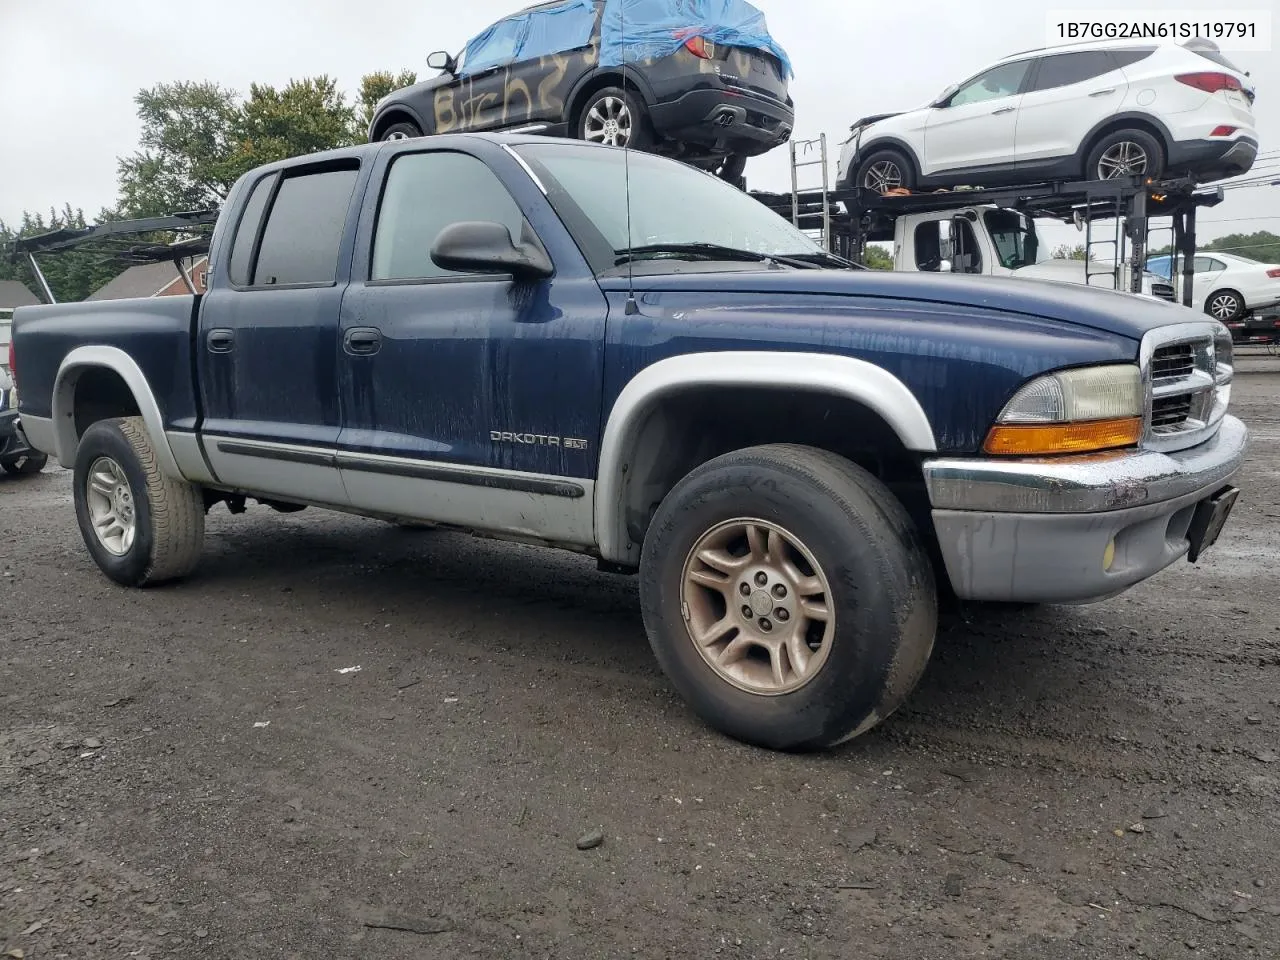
1075	411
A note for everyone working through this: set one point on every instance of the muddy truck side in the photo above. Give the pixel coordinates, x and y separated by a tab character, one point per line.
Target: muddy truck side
615	354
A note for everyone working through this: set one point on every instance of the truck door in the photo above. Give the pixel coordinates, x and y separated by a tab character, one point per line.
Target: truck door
269	335
470	399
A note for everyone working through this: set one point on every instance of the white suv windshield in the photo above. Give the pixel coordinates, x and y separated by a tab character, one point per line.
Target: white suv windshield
671	205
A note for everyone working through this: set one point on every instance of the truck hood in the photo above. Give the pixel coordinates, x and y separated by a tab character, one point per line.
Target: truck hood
1097	308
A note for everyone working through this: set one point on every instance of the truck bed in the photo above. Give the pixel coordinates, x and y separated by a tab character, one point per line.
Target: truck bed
156	332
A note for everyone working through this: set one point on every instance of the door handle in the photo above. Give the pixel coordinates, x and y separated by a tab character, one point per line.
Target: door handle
1103	93
221	341
362	341
996	113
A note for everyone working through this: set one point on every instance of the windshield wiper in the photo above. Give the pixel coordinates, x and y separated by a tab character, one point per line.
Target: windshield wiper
822	258
702	251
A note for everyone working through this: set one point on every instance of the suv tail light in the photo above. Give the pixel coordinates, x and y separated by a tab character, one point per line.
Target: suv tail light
1223	131
701	47
1273	274
1209	82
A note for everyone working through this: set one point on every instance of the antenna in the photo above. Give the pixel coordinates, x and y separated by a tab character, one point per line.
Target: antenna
633	307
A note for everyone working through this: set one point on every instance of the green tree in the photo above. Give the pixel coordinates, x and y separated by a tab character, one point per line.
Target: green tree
877	258
307	116
1068	252
375	86
185	145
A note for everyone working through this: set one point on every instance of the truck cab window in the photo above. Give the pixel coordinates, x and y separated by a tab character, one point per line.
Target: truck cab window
426	192
1014	237
928	244
966	255
304	229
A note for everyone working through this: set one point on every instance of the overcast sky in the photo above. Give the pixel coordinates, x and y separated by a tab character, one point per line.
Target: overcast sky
69	70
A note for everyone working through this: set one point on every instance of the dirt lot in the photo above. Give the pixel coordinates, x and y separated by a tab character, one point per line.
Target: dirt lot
195	772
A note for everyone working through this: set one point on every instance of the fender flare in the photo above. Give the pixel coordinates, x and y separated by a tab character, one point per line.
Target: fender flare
858	380
404	108
64	395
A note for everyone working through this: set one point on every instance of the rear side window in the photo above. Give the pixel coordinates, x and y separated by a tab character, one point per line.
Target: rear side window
304	229
1127	58
425	193
247	232
1065	69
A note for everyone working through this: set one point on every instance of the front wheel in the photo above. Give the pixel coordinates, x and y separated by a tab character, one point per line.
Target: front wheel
141	527
884	171
25	464
788	596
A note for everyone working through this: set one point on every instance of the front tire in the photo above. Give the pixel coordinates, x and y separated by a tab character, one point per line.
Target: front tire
885	170
402	131
141	527
1225	305
821	543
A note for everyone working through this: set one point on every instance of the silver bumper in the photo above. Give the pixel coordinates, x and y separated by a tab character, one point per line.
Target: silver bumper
1043	530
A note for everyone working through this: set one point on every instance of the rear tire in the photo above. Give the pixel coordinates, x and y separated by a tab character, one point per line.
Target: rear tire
1225	305
885	170
616	118
24	465
141	527
1124	153
837	559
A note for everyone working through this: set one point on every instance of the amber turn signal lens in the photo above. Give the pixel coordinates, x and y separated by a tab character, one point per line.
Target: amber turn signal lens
1034	440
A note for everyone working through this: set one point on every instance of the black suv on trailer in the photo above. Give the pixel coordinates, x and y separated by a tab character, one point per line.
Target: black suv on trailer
686	95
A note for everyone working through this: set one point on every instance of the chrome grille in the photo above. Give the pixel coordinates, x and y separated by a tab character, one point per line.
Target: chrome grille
1187	372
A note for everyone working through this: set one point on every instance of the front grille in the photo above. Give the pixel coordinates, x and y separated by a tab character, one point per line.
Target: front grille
1173	362
1164	291
1187	368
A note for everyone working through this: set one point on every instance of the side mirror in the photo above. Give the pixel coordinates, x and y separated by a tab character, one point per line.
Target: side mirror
486	247
946	95
441	60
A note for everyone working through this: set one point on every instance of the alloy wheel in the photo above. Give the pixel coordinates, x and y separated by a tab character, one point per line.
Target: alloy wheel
111	508
609	121
883	177
758	607
1123	159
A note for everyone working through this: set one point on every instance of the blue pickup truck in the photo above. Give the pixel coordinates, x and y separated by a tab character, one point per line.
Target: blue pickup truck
616	354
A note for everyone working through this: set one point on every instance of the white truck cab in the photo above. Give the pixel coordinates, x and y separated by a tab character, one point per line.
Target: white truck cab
996	241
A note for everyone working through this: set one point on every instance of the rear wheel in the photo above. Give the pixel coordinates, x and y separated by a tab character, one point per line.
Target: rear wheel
141	527
616	118
24	464
788	597
1225	305
1125	153
885	170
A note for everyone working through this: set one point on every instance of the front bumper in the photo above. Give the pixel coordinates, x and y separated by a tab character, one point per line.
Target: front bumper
1039	531
725	120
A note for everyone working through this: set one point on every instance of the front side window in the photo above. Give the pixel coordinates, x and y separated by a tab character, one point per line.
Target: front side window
426	192
966	255
670	204
495	47
1064	69
304	229
1002	81
1014	237
928	243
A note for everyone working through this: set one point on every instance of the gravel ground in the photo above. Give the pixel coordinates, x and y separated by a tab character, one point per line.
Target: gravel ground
342	739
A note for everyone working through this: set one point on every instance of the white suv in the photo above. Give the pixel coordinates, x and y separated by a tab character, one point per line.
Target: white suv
1086	111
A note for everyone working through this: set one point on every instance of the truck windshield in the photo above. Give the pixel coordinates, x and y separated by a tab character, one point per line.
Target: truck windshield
673	207
1014	236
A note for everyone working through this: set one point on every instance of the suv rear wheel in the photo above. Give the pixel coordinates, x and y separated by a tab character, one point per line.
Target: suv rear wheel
788	597
1125	153
402	131
616	118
